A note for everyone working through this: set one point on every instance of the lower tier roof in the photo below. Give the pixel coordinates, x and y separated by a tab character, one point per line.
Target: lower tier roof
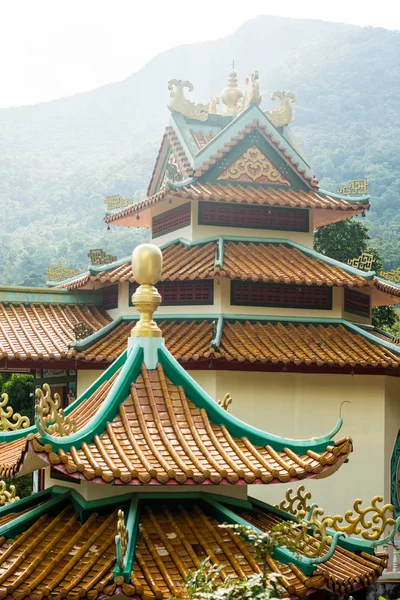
56	545
156	435
257	341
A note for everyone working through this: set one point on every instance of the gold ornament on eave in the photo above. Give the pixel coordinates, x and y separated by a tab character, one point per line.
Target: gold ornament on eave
7	497
49	416
182	105
121	539
6	412
283	115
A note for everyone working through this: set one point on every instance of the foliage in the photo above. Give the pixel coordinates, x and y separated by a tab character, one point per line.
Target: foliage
346	240
59	160
209	583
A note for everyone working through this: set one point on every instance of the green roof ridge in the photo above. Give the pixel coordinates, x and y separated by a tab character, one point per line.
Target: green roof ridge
349	199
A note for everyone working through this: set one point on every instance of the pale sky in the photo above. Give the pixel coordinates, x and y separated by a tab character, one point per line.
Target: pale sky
54	48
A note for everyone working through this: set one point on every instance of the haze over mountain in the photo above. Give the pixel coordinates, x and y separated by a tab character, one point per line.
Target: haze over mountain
60	159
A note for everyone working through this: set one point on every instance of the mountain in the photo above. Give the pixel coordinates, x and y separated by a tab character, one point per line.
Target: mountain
58	160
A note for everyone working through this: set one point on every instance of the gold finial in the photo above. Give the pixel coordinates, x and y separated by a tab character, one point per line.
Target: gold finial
147	268
231	95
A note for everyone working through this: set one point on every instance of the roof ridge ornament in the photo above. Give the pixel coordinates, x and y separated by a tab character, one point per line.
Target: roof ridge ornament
182	105
49	417
6	412
252	92
231	95
283	115
147	268
7	497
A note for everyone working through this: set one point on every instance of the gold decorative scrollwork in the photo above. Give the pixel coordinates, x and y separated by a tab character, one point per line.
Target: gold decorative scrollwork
49	417
283	115
391	275
6	412
253	165
116	201
298	504
82	331
182	105
369	522
363	262
59	272
121	539
99	257
6	497
311	537
225	402
355	187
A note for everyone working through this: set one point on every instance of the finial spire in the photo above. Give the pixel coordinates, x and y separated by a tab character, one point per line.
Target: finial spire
231	94
147	268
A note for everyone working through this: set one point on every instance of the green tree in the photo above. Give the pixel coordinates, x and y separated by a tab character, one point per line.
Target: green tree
346	240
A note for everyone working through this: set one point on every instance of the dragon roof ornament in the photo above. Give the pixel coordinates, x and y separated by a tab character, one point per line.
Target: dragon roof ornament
283	115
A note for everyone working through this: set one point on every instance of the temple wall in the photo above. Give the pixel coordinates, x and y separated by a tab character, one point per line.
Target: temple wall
85	378
307	405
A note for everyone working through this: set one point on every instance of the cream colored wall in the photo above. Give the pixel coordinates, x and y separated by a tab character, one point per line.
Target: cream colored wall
392	425
85	378
307	405
123	302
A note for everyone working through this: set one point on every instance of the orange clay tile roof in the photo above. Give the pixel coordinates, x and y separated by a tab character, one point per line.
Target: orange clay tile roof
39	331
60	557
341	574
202	138
159	436
240	194
255	342
254	261
170	139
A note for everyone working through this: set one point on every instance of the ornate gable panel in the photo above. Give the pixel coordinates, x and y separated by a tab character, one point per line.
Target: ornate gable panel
253	166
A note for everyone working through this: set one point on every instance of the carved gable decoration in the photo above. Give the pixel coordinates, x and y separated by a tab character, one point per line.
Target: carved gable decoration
253	166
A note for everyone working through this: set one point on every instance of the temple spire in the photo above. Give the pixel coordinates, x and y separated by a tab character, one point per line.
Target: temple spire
146	268
231	94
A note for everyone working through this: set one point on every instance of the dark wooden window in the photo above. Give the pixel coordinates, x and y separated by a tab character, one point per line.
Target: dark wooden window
172	219
182	292
110	297
249	293
357	303
253	217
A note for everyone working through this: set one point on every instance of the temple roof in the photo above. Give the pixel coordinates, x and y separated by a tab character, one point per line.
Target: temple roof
44	331
328	207
258	341
137	426
69	547
271	260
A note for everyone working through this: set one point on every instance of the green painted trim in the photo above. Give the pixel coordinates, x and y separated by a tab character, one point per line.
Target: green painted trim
215	342
132	525
394	483
237	428
349	199
386	282
306	565
24	295
116	396
24	521
25	503
9	436
163	167
251	113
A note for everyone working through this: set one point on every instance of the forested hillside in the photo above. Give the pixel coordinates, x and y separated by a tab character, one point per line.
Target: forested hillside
59	160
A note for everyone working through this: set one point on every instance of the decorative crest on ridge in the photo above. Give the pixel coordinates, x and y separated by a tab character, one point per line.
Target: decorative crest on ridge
6	412
283	115
121	540
49	417
225	402
7	497
182	105
252	92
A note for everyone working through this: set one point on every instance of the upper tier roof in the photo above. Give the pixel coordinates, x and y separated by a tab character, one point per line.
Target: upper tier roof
140	425
252	259
208	161
69	547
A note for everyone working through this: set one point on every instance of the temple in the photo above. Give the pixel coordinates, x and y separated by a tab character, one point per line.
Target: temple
256	331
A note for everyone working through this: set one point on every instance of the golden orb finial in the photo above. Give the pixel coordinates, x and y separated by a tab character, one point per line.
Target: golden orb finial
146	268
231	95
